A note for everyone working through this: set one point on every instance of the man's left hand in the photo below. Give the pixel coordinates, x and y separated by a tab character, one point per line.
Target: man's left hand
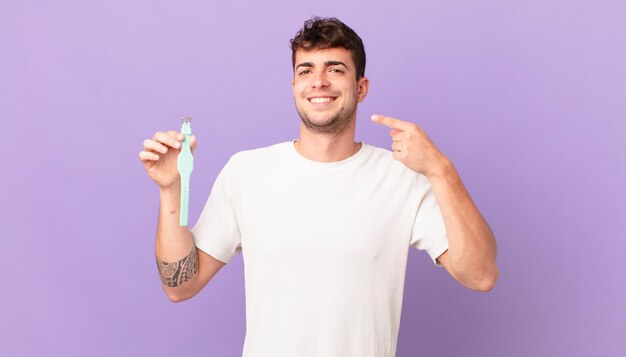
412	147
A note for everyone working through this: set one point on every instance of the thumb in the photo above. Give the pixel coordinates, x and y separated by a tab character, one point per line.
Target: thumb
192	142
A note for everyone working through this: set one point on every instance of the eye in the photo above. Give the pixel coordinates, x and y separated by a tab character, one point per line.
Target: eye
306	71
336	70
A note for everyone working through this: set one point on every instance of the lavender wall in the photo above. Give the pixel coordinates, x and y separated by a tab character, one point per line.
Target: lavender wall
527	98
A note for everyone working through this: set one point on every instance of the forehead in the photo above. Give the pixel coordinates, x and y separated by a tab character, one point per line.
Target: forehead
318	57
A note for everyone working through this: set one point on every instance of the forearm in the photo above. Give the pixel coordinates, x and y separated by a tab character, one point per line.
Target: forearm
176	254
472	245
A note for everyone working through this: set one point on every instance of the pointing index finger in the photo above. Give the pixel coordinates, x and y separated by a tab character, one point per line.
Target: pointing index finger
391	122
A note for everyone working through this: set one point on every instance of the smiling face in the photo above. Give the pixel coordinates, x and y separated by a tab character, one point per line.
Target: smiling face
326	90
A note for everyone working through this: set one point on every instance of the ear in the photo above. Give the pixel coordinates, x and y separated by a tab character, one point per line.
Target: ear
364	85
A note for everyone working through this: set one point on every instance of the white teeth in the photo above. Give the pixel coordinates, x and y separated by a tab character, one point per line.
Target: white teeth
321	100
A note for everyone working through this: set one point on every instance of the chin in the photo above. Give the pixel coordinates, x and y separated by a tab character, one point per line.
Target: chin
326	123
321	120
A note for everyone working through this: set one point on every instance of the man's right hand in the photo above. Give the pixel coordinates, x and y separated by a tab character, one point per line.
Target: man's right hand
160	157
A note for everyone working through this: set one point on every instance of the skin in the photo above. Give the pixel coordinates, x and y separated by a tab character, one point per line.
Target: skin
471	255
326	135
316	74
184	269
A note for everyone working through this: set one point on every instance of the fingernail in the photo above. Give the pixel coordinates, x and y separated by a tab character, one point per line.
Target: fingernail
374	117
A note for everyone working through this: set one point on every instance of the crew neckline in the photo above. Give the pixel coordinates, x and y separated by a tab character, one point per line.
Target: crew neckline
356	157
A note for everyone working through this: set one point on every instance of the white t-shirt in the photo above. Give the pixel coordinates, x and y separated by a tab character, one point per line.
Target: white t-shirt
324	246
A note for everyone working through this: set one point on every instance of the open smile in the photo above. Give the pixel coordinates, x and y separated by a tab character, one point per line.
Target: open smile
321	101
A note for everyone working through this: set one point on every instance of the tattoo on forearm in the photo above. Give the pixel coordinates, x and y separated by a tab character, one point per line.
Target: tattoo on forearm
175	273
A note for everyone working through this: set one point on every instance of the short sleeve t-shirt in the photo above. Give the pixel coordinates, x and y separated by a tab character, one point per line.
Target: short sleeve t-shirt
324	245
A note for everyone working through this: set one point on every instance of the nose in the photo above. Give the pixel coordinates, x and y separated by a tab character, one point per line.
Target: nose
319	80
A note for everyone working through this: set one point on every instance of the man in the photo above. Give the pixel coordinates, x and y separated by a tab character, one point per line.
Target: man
324	223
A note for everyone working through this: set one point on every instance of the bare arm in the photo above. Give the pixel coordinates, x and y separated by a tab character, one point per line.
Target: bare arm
471	256
184	269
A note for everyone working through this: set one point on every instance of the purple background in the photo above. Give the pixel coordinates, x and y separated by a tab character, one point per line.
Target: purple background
528	99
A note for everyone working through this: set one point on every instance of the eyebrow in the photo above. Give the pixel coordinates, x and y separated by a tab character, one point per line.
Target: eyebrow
327	64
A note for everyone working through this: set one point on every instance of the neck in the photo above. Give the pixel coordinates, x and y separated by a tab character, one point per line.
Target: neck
327	147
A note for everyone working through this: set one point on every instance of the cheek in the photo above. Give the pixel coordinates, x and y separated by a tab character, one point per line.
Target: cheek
352	94
353	90
298	89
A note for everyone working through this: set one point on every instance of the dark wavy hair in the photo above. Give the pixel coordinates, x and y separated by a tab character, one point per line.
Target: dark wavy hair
321	33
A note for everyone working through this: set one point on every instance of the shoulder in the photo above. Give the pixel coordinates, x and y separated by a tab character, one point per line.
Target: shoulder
382	159
379	154
258	156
